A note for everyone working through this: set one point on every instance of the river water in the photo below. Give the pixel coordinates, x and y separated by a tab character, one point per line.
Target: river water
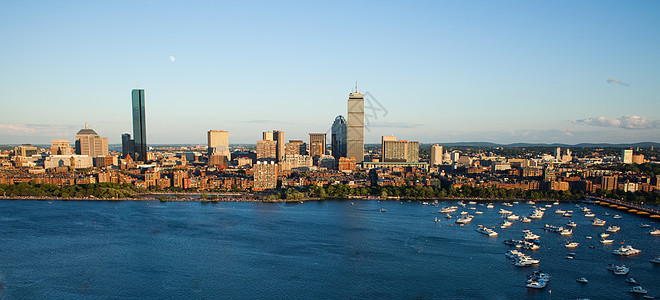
312	250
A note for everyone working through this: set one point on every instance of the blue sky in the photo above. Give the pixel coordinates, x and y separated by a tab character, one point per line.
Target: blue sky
440	71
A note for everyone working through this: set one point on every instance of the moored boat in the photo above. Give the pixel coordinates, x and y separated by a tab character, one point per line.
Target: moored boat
626	251
598	222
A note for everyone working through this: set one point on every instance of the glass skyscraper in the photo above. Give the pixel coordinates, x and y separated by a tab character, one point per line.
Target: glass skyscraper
139	126
339	138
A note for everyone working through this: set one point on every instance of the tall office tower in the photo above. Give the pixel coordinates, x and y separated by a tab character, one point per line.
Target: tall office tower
355	126
400	151
338	138
626	156
383	139
316	144
60	147
295	147
268	136
218	140
89	143
266	150
558	154
436	155
127	145
139	126
278	136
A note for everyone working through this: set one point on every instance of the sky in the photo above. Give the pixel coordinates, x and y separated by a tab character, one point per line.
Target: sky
432	71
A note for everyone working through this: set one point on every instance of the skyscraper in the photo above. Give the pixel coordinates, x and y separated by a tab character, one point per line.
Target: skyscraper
139	125
316	144
127	145
338	138
436	155
89	143
217	140
278	136
355	126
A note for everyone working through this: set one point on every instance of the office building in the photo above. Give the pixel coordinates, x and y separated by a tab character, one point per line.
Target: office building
558	154
295	147
383	139
266	150
139	126
217	140
89	143
25	150
399	151
626	156
436	155
316	144
355	126
127	145
338	138
278	136
60	147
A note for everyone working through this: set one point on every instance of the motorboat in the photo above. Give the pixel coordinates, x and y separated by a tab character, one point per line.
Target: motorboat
613	228
464	220
505	224
619	270
655	231
566	231
582	280
571	245
604	235
598	222
464	213
656	260
513	217
478	212
567	215
589	215
560	211
616	217
505	212
605	241
626	251
507	204
383	210
490	205
487	231
631	280
446	209
538	280
448	216
638	290
643	225
536	214
571	224
472	203
525	220
606	214
530	236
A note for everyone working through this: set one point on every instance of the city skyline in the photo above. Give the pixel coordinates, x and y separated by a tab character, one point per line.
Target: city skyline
559	72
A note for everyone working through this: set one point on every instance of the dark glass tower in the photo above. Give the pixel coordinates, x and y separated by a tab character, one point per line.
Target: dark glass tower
139	126
339	138
127	146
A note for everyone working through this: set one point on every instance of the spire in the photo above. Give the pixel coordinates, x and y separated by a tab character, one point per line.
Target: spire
86	126
356	86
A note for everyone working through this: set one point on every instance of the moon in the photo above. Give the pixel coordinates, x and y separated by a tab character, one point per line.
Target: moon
172	58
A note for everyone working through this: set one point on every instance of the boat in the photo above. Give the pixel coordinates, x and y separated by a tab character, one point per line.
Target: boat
513	217
656	260
571	245
567	215
472	203
613	228
447	216
383	210
490	205
516	202
590	215
571	224
631	280
536	214
530	236
605	241
548	205
530	202
487	231
606	214
525	220
505	224
505	212
598	222
538	280
446	209
566	232
638	290
560	212
655	232
643	225
507	204
616	217
604	235
464	220
582	280
478	212
619	270
626	251
464	213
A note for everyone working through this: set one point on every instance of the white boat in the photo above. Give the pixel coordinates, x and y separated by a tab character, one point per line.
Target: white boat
638	290
548	205
571	245
530	202
613	228
505	212
631	280
478	212
616	217
571	224
598	222
450	209
566	231
560	212
487	231
567	215
556	203
656	260
536	214
472	203
530	236
525	220
505	224
589	215
464	213
447	216
626	251
538	280
644	225
465	219
513	217
490	205
619	270
537	284
605	241
655	231
604	235
582	280
507	204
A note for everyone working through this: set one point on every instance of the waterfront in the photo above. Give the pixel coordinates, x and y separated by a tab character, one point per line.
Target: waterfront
320	249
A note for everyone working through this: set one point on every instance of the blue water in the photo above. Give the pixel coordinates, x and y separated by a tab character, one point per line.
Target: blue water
313	250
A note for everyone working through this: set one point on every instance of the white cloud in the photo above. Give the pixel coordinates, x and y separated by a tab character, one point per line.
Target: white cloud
627	122
616	81
16	130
